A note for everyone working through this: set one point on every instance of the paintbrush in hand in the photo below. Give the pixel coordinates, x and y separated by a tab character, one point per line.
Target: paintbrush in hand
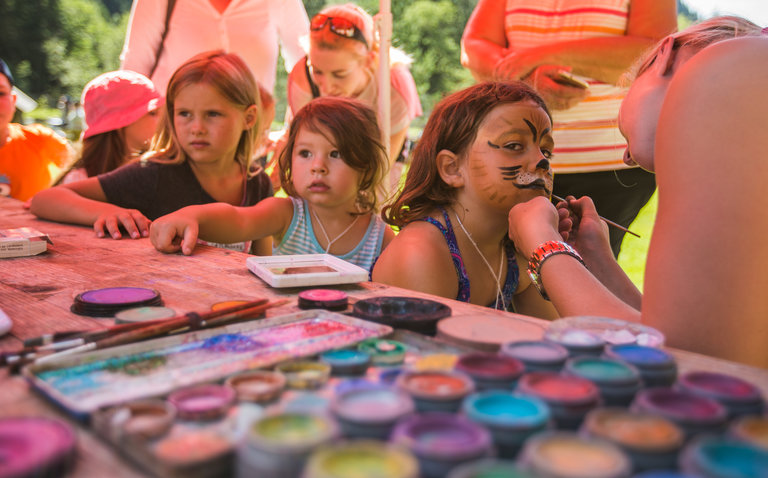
607	221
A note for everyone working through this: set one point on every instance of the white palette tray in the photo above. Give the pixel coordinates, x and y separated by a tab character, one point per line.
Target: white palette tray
305	270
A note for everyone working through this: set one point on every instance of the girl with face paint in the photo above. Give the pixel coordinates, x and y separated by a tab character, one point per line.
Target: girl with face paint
483	150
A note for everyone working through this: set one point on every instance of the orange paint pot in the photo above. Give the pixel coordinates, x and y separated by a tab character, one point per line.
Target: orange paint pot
751	429
436	390
567	455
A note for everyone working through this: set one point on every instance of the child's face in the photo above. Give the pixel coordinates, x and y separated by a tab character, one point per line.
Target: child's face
509	161
319	174
139	133
338	72
7	101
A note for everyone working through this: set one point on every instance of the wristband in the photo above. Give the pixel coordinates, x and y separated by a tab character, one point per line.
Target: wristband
544	252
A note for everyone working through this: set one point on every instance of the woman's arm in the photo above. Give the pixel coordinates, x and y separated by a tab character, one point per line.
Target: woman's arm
145	29
484	42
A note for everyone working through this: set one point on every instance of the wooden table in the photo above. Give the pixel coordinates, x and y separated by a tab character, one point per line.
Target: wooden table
37	292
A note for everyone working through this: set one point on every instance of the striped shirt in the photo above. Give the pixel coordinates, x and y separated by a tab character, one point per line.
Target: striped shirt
586	136
300	238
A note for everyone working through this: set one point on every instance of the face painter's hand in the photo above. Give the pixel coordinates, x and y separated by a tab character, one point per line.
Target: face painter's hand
131	220
173	233
589	233
533	223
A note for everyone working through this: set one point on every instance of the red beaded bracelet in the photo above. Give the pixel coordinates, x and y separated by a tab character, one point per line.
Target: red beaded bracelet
542	253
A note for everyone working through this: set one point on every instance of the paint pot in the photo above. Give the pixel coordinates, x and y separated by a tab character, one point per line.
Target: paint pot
578	342
441	441
343	386
569	397
611	331
662	474
490	371
738	396
142	314
510	417
537	355
346	361
750	429
389	376
435	362
257	386
108	301
436	390
717	457
370	412
328	299
617	380
488	468
693	413
278	445
361	458
141	419
382	351
650	441
194	453
657	367
409	313
567	455
202	402
303	374
227	304
36	446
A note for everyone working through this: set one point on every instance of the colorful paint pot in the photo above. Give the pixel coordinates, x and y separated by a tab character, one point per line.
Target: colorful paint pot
657	367
693	413
435	362
488	468
389	376
490	371
194	453
141	419
409	313
36	446
361	458
278	445
436	390
382	351
370	412
143	314
346	361
257	386
567	455
537	355
662	474
610	330
441	441
717	457
650	441
202	402
510	417
303	374
738	396
577	341
328	299
108	301
617	380
227	304
569	397
750	429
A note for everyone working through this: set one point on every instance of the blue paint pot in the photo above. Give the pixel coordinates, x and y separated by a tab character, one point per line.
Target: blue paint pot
567	455
510	417
441	441
490	371
388	376
693	413
577	341
436	390
617	380
569	397
537	355
657	367
370	412
738	396
346	361
488	468
715	457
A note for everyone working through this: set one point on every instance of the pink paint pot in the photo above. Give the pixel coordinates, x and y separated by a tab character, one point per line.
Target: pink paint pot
202	402
436	390
738	396
328	299
370	412
617	380
717	457
750	429
537	355
441	441
490	371
36	446
693	413
657	366
569	397
568	455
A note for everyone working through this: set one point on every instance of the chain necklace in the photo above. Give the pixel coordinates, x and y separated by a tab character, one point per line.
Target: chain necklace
496	277
328	239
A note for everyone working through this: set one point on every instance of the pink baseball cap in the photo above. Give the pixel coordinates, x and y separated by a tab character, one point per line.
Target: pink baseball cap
116	99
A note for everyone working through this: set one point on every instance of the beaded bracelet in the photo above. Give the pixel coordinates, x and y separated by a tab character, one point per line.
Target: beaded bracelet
544	252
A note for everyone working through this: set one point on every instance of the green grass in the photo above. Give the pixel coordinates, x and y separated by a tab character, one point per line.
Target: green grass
635	250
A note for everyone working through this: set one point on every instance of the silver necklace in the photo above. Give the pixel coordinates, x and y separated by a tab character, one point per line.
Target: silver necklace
496	277
328	239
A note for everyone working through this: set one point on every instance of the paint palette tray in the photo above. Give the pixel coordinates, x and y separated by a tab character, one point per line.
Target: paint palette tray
305	270
83	383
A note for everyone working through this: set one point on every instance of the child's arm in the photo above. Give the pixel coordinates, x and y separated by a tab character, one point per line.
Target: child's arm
84	202
527	299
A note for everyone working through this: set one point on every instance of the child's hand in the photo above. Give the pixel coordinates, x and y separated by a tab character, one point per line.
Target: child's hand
588	233
174	232
134	223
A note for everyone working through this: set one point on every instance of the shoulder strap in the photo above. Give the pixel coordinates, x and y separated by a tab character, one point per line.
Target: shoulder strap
312	85
168	12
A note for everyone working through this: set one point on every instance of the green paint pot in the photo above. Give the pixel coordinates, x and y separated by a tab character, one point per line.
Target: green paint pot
353	459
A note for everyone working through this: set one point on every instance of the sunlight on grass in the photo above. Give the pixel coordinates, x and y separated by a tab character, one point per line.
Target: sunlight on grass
635	250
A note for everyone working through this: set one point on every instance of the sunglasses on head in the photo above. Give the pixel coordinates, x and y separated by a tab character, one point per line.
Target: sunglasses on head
339	26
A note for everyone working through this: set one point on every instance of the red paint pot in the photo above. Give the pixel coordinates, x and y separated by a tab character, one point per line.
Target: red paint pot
569	397
567	455
490	371
693	413
436	390
738	396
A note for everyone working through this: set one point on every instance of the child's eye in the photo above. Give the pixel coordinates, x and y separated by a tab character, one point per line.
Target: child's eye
304	153
513	146
547	153
182	113
335	154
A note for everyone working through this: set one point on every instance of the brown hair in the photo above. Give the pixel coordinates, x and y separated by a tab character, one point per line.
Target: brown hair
355	133
452	126
103	152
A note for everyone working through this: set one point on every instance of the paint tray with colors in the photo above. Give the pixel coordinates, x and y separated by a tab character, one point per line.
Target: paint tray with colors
305	270
83	383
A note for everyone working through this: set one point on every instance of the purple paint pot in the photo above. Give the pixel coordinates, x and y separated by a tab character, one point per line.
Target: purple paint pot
537	355
569	397
360	458
617	380
441	441
693	413
738	396
567	455
106	302
490	371
750	429
436	390
370	412
657	367
510	417
717	457
202	402
650	441
577	341
488	468
36	446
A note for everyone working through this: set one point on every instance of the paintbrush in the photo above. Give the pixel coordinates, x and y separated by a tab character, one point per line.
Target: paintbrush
54	337
608	221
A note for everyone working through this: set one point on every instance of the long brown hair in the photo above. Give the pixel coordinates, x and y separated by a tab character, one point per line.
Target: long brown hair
104	152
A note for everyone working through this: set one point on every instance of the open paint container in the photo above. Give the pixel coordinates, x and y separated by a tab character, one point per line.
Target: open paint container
328	299
488	468
657	367
346	361
143	314
257	386
490	371
617	380
409	313
715	457
436	390
202	402
383	351
354	459
304	374
537	355
36	446
108	301
567	455
194	453
140	419
693	413
750	429
569	397
370	411
605	329
738	396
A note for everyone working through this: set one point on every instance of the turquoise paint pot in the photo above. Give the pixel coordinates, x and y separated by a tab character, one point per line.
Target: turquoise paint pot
537	355
488	468
370	412
715	457
567	455
436	390
693	413
346	361
383	352
750	429
569	397
510	417
490	371
657	367
617	380
738	396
